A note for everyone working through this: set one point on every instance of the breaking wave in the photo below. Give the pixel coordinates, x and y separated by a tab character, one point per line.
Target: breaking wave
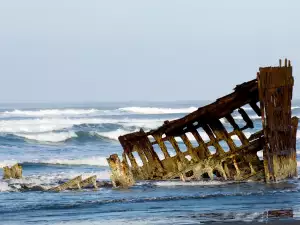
4	187
50	137
113	135
56	137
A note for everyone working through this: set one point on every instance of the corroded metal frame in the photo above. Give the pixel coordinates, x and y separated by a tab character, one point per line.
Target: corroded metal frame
240	162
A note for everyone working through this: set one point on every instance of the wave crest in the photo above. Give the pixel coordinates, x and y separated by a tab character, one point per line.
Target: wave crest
56	137
91	161
49	112
153	110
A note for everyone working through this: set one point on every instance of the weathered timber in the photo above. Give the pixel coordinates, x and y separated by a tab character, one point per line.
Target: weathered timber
272	90
14	172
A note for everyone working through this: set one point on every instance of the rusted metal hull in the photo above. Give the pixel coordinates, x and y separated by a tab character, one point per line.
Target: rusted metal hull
272	90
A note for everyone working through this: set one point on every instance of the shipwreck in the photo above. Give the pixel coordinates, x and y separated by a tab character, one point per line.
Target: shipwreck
269	95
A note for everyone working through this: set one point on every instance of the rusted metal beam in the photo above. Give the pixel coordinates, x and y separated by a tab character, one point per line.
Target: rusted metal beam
275	92
14	172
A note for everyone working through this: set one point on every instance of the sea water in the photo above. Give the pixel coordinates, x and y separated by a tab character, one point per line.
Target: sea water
57	142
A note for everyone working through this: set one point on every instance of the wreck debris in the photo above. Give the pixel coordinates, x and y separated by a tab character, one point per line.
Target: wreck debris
14	172
289	213
89	181
272	88
69	184
121	174
77	183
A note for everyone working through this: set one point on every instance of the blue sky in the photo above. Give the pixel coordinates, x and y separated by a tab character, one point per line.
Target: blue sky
74	51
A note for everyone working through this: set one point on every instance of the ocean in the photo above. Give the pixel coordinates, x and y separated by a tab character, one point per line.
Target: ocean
57	142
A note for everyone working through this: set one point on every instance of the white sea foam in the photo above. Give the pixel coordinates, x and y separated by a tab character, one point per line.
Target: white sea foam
4	186
114	134
192	183
153	110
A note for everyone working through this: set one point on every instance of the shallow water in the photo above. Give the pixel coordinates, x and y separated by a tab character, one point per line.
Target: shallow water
58	142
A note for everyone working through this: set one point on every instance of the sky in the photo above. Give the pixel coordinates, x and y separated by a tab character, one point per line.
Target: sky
141	50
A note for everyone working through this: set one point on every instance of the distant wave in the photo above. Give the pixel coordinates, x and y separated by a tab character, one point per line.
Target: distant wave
56	137
54	124
153	110
92	161
50	112
87	112
253	117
